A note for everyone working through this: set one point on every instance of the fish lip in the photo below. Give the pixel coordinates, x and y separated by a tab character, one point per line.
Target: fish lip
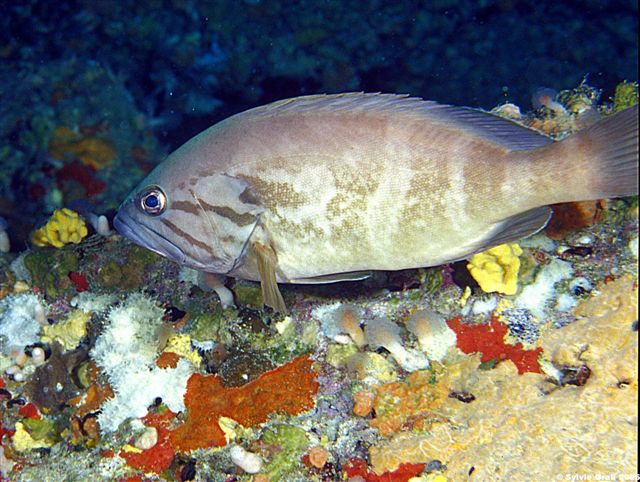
141	235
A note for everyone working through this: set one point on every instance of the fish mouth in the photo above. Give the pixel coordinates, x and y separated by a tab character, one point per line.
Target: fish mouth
147	238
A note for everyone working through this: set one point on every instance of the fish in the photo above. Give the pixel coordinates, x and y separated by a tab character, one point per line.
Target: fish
332	187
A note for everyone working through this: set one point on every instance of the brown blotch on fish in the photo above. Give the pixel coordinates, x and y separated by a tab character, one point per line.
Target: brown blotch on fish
234	216
274	194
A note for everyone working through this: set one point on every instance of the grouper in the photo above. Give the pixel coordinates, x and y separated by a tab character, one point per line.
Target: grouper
324	188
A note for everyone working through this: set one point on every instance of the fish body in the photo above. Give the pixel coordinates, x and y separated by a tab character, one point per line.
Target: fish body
322	188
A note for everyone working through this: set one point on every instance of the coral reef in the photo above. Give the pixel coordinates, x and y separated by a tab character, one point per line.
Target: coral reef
126	352
489	340
64	227
116	364
516	422
496	270
288	389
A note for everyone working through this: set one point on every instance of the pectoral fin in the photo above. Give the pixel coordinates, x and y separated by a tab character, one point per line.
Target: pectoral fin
521	226
267	262
514	228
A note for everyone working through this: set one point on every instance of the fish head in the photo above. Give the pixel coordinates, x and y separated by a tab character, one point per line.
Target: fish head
203	221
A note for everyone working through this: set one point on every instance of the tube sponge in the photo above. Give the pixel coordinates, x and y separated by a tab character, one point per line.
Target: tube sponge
497	269
347	318
65	226
339	320
247	461
433	333
382	332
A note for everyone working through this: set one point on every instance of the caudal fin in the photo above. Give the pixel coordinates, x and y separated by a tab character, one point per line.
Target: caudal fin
614	144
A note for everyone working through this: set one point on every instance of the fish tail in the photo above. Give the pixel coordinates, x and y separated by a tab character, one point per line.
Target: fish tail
617	140
607	153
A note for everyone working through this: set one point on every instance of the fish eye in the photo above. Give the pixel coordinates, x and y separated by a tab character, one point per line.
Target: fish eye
153	201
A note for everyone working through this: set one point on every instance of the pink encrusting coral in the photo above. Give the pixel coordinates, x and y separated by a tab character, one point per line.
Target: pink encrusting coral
489	340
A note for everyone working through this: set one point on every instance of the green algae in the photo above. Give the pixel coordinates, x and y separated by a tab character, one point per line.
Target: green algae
133	269
110	274
619	210
49	269
432	280
83	375
141	257
626	95
579	98
248	294
41	429
529	269
288	341
289	444
338	355
210	325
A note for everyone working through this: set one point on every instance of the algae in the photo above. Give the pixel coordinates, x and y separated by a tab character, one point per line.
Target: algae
626	95
289	444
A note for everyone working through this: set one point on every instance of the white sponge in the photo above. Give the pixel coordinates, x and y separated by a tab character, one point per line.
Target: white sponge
382	332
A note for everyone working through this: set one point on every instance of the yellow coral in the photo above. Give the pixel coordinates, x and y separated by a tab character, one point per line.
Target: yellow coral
65	226
131	449
23	441
497	269
69	332
181	345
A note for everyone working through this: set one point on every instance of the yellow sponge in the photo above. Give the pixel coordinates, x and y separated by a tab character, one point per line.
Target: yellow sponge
181	345
65	226
497	269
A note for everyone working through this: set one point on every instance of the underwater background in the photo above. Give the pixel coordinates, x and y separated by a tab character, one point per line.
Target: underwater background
95	331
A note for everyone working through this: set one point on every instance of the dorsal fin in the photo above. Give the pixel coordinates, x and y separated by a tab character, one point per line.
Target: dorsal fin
504	132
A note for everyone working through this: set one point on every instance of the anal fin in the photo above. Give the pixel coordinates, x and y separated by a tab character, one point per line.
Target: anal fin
267	262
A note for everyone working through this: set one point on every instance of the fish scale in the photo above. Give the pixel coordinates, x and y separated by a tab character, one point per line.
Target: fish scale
322	188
